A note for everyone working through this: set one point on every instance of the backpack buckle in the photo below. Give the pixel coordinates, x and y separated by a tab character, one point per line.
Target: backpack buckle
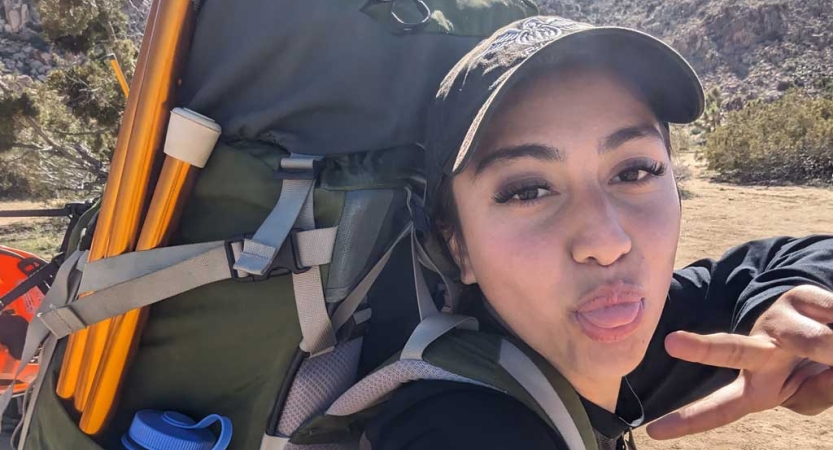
287	261
298	169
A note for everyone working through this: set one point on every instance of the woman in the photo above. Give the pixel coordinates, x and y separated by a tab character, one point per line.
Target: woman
551	184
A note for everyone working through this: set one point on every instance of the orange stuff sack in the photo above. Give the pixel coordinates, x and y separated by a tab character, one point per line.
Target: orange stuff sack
15	267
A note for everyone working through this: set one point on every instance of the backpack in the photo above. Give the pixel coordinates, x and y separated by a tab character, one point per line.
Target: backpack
294	269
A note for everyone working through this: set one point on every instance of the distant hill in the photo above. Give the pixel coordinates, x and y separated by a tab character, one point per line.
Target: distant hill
749	48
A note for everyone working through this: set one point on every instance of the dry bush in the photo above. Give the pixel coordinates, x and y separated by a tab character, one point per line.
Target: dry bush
681	143
789	140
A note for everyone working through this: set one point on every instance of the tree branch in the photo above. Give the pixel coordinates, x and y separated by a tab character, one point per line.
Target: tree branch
82	133
84	158
24	146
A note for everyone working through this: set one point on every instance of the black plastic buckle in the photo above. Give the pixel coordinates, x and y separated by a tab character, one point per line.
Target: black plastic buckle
288	259
420	216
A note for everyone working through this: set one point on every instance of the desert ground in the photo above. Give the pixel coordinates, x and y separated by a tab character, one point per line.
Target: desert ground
716	216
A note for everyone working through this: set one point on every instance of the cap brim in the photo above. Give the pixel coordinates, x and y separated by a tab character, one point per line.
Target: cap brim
667	81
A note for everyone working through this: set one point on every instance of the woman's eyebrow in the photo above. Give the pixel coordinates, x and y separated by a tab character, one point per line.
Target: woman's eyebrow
542	152
621	136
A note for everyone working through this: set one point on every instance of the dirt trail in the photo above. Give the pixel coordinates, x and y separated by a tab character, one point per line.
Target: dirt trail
717	217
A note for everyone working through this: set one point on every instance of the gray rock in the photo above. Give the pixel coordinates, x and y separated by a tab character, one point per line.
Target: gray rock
783	85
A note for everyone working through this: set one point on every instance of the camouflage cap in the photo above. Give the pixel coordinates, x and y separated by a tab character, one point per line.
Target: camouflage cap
471	91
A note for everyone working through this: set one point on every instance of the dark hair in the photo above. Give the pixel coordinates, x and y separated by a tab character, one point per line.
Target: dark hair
445	223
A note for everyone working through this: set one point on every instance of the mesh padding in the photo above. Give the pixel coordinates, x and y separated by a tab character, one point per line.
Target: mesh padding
319	382
387	379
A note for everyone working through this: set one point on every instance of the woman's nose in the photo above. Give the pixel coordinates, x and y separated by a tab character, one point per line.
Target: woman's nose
598	235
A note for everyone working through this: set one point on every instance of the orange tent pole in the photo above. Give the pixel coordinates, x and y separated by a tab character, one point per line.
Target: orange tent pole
191	137
114	64
175	181
148	131
72	364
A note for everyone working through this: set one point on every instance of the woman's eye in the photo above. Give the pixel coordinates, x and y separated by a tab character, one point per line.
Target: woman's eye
640	172
523	193
530	194
632	175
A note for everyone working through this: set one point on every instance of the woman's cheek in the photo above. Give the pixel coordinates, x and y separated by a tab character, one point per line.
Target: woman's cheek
655	231
516	263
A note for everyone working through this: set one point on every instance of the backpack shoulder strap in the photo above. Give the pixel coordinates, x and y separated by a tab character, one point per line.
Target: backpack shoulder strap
473	357
521	373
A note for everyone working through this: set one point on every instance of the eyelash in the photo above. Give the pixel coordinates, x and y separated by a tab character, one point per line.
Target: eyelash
508	194
653	168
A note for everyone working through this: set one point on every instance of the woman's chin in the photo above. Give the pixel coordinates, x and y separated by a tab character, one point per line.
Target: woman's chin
616	364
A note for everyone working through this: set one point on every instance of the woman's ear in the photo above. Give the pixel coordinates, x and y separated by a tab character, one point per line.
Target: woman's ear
461	259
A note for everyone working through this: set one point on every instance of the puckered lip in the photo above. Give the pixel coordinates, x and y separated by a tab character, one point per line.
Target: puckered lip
609	294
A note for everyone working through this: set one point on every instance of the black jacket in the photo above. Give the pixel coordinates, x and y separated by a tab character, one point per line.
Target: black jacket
708	296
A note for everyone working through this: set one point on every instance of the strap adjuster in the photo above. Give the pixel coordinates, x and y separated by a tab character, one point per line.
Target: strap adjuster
288	259
299	169
62	321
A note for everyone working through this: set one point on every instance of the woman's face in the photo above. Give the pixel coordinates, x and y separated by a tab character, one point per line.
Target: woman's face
570	218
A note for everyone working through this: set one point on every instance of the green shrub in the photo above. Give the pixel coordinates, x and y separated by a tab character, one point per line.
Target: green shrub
79	25
789	140
14	184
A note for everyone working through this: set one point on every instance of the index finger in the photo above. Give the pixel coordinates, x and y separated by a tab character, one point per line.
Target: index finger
721	349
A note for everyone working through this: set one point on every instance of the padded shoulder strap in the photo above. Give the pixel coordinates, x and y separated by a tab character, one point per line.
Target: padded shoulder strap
520	372
475	358
553	393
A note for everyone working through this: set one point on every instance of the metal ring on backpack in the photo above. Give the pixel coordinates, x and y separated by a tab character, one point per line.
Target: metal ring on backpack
411	26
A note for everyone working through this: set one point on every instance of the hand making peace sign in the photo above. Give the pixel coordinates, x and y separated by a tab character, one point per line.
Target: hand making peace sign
785	361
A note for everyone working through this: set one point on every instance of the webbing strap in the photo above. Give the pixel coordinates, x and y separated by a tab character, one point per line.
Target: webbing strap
424	301
134	280
315	247
182	276
45	274
108	272
316	327
351	303
47	353
527	373
63	288
431	329
274	442
262	248
452	290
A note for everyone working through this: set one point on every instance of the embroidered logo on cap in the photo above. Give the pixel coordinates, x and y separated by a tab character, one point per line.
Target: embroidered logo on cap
528	36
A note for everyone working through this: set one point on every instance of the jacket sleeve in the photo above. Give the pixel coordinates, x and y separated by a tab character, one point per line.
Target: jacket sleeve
725	295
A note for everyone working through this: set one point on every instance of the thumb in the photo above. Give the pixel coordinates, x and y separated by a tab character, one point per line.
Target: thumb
722	407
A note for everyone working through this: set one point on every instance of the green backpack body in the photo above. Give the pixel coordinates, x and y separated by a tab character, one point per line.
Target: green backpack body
322	105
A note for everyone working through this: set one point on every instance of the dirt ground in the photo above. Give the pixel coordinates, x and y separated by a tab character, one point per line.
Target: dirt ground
715	217
41	236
